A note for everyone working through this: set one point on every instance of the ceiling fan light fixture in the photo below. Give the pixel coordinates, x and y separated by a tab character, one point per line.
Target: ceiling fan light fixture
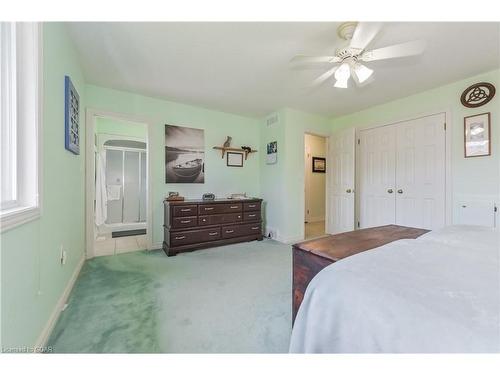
341	84
342	75
362	72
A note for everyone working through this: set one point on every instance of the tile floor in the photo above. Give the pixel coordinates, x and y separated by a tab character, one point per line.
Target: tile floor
120	245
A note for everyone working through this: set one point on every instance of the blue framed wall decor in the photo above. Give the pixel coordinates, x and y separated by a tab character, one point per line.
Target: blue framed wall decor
71	117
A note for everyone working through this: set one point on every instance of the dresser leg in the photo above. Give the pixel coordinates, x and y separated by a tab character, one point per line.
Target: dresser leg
168	251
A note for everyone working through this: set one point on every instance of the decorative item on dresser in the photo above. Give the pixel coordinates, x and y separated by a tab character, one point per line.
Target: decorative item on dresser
312	256
198	224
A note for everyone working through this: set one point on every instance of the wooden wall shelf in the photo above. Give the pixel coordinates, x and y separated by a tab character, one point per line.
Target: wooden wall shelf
225	149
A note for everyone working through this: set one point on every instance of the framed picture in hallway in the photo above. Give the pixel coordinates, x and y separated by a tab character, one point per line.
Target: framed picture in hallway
318	165
71	117
184	155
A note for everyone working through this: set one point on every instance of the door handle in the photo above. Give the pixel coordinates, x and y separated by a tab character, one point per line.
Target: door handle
400	191
390	191
348	191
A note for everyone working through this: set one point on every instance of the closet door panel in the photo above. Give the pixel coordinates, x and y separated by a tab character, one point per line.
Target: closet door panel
377	177
420	172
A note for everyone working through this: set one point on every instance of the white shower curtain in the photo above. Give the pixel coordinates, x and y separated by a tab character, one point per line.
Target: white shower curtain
101	200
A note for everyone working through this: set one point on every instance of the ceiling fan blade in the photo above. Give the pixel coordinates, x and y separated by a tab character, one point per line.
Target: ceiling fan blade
415	47
303	59
322	78
364	34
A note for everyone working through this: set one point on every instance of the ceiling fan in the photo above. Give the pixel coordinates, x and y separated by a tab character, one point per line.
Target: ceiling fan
348	60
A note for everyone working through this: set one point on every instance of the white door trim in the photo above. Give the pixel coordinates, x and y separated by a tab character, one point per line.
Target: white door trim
448	156
90	116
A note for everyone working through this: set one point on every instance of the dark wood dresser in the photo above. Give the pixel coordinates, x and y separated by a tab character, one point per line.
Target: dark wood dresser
312	256
196	224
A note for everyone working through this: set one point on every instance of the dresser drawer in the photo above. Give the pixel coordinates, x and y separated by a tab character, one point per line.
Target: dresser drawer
184	221
220	219
251	206
185	210
209	209
251	216
193	236
230	231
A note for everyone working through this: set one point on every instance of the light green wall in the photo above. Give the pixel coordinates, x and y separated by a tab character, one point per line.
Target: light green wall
105	125
472	178
282	184
219	178
33	279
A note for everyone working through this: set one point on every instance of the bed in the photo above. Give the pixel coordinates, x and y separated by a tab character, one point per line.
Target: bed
437	293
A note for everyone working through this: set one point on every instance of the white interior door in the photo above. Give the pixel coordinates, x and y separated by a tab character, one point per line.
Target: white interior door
341	170
377	178
420	172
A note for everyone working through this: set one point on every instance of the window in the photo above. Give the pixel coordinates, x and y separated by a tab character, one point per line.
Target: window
20	115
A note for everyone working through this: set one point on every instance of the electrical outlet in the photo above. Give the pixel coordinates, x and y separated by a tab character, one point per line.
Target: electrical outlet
63	256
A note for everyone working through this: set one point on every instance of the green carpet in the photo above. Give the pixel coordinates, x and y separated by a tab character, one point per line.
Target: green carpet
230	299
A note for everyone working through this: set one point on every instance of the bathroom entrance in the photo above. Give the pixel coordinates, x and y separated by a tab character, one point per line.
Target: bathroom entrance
120	185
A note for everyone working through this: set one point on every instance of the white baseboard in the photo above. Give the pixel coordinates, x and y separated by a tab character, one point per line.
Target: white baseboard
47	330
156	246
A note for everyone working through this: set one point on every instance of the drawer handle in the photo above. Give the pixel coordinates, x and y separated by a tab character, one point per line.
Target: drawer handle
239	216
185	221
252	215
255	228
208	208
234	207
180	237
213	234
185	210
229	231
251	206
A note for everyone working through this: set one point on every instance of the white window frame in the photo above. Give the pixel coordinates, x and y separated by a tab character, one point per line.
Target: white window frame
23	121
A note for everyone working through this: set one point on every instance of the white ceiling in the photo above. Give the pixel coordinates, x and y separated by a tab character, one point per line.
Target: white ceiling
244	67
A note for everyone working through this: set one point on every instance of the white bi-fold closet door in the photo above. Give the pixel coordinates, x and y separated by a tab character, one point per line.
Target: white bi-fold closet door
402	174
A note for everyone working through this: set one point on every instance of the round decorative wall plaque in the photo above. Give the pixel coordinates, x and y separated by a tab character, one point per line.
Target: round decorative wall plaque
477	95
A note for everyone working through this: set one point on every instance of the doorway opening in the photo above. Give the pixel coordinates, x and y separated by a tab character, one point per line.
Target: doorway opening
120	185
315	155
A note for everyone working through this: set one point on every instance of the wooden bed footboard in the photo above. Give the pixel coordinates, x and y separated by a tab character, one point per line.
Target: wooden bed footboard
312	256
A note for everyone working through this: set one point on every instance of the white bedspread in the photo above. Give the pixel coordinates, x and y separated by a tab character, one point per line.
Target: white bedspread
438	293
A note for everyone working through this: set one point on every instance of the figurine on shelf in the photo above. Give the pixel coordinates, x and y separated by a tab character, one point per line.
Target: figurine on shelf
247	149
228	142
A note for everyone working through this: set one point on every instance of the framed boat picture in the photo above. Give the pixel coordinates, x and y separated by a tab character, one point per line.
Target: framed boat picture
477	139
184	155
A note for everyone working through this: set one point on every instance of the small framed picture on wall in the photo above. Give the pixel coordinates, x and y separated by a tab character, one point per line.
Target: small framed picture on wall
234	159
318	164
477	139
